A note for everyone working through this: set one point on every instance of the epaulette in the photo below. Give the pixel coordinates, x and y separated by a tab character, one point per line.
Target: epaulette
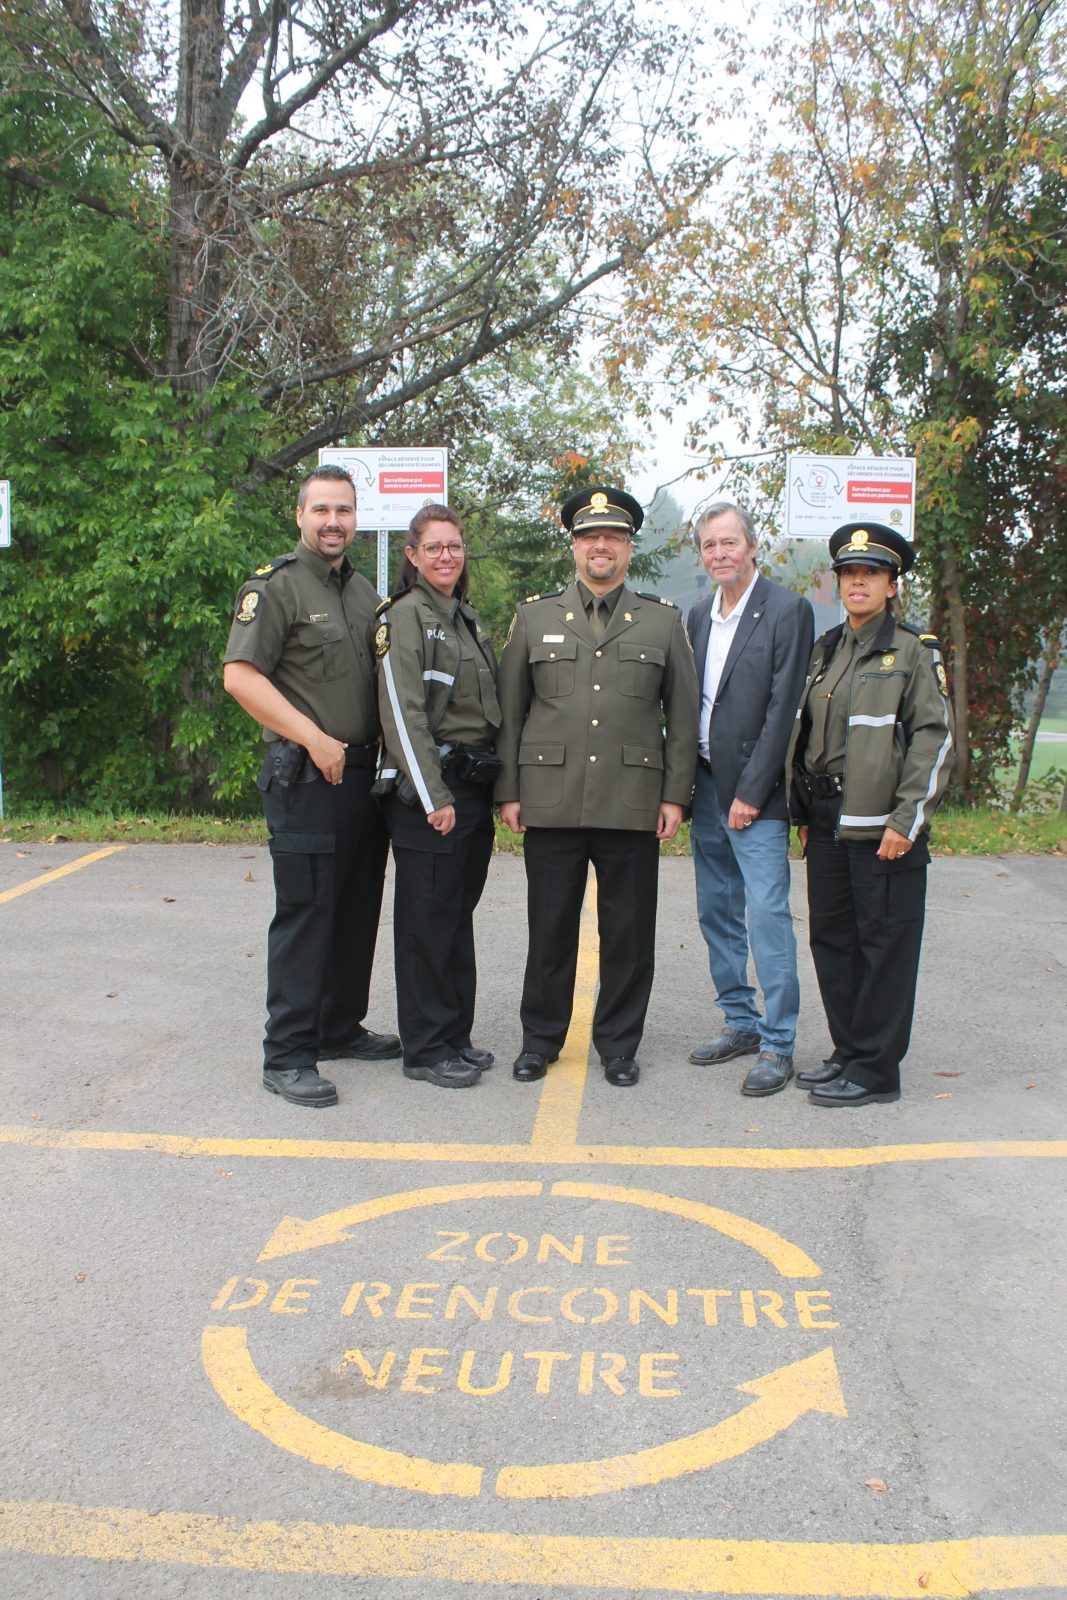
272	566
549	594
657	599
930	640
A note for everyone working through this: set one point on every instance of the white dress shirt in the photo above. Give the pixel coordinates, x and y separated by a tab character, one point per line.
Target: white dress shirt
720	639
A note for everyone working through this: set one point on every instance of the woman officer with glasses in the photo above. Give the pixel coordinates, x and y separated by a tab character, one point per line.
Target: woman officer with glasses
439	711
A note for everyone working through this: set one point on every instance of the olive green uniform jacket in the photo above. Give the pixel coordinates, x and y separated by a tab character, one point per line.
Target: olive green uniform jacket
898	755
581	739
436	686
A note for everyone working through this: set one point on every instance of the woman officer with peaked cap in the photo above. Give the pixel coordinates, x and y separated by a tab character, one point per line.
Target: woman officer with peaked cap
870	759
439	712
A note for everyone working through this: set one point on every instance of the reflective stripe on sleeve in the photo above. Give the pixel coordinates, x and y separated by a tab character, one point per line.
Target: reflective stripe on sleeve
430	676
942	756
414	770
861	721
846	821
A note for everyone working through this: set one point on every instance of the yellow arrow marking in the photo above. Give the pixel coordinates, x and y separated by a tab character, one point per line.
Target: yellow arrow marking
790	1261
782	1397
293	1234
224	1352
60	872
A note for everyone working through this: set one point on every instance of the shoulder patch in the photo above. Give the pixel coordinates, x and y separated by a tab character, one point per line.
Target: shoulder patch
381	637
272	567
247	605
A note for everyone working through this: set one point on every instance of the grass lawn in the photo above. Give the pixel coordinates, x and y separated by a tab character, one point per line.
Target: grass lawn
980	832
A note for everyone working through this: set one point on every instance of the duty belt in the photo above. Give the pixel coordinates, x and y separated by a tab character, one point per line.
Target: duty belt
361	755
824	785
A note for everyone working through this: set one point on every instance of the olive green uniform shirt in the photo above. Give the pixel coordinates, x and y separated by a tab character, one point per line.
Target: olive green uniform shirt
307	628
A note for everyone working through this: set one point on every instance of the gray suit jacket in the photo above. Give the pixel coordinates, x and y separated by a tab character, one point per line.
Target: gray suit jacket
758	695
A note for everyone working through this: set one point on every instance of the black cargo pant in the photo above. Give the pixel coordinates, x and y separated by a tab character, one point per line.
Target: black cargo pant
439	881
866	926
329	847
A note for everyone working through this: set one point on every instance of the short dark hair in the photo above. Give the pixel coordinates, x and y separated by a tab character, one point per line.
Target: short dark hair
329	471
719	509
405	578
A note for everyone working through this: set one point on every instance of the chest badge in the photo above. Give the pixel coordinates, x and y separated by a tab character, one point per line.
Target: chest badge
887	662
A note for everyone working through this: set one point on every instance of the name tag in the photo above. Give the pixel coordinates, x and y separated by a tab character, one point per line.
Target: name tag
318	616
553	638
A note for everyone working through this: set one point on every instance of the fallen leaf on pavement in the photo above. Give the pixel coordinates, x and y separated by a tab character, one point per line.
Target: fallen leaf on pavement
875	1483
169	899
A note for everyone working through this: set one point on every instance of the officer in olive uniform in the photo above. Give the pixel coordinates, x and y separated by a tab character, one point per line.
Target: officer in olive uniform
870	759
299	660
589	775
437	697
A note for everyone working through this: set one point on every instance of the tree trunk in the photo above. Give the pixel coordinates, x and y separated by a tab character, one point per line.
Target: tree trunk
193	334
1051	661
957	639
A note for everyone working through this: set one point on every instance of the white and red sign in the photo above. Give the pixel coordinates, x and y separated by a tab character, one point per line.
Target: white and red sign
822	492
391	485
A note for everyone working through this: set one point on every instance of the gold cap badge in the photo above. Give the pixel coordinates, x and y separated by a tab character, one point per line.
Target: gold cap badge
859	539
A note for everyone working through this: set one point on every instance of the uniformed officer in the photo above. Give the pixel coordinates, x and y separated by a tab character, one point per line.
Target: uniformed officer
870	759
299	660
589	776
437	696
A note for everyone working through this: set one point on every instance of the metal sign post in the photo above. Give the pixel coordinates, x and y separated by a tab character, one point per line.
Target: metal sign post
391	485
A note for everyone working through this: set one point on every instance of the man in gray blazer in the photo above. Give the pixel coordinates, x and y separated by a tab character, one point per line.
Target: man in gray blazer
752	639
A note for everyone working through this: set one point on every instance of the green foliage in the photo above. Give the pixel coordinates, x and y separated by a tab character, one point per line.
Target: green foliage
128	532
889	274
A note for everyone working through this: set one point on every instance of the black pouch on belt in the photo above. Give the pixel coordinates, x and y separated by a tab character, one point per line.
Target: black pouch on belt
473	765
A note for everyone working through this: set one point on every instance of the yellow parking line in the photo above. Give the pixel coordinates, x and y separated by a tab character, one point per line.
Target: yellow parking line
743	1159
560	1106
753	1159
60	872
948	1569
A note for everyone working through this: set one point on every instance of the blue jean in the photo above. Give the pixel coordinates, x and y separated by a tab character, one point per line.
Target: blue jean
742	884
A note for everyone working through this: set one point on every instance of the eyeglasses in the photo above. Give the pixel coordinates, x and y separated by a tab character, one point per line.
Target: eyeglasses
435	550
608	535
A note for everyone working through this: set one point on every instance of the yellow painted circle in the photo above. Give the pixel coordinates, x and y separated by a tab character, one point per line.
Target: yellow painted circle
780	1397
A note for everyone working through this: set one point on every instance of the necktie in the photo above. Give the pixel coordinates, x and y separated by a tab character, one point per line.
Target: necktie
597	619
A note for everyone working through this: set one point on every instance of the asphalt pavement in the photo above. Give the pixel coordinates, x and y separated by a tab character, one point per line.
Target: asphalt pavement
533	1341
